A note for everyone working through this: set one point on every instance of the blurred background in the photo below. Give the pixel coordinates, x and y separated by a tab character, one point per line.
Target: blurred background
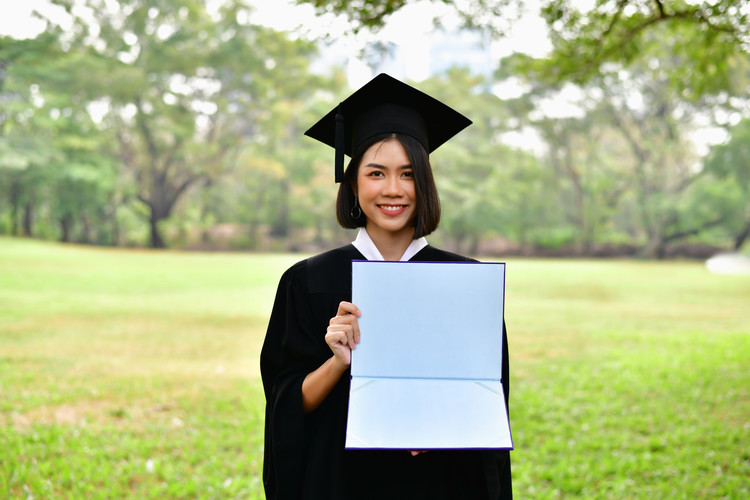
615	128
600	128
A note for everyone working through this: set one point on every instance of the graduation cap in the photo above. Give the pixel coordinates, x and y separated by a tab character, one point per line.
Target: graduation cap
386	105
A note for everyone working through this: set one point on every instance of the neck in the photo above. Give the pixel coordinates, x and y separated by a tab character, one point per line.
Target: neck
391	245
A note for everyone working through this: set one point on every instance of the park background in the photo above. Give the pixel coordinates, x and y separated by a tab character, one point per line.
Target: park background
132	372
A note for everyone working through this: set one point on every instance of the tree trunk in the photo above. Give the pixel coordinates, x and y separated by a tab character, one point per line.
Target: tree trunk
739	240
655	247
473	245
459	238
156	239
28	218
255	223
86	236
280	227
318	238
114	227
15	202
66	221
160	204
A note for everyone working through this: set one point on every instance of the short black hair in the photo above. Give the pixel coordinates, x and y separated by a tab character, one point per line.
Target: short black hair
428	201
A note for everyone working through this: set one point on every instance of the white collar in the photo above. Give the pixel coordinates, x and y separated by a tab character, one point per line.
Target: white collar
367	247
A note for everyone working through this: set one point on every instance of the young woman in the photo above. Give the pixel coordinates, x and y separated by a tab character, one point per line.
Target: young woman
388	129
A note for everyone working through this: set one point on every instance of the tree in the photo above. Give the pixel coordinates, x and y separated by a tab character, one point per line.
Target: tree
84	195
583	155
182	89
630	152
372	14
24	148
683	60
664	164
731	161
713	35
481	179
708	35
283	187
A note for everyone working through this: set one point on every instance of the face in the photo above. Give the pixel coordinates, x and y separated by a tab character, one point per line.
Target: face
386	191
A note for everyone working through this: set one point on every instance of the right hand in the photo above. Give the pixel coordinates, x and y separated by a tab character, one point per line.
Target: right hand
343	332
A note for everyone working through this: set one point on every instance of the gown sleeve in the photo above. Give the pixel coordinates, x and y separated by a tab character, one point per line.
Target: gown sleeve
289	353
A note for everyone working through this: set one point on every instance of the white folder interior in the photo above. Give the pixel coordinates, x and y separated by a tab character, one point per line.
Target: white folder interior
427	372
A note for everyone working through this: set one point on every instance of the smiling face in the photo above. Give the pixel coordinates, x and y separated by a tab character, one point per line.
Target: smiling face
386	190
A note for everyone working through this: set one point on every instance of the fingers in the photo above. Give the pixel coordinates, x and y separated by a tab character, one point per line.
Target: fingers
337	338
415	453
338	343
346	320
342	334
348	308
348	328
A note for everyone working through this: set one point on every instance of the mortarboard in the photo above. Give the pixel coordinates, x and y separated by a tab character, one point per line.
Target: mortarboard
385	105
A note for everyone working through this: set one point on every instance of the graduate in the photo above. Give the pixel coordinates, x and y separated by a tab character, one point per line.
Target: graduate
388	129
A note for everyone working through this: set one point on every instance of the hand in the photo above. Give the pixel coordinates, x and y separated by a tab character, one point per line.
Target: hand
343	332
414	453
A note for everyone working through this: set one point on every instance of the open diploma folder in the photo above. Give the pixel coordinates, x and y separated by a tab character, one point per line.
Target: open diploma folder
427	372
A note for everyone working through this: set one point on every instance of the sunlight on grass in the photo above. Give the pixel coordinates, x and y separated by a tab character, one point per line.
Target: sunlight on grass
134	374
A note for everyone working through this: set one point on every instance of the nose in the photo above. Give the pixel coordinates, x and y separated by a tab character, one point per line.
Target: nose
393	186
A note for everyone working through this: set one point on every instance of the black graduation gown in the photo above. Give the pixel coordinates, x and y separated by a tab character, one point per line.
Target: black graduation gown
304	455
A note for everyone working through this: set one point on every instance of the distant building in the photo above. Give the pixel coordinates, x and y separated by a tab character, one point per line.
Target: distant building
465	48
419	58
433	54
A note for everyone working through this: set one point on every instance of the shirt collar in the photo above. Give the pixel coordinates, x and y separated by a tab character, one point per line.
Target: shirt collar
367	247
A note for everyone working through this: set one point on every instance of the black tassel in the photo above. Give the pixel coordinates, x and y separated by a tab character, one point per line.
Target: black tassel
340	138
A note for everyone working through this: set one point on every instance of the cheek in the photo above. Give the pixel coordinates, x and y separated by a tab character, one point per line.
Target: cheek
364	189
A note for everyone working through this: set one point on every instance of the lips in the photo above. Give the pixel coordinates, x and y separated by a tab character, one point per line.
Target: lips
392	210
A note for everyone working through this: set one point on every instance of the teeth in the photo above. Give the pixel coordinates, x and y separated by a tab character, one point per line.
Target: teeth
391	208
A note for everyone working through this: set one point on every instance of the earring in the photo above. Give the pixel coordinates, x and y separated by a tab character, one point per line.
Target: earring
355	212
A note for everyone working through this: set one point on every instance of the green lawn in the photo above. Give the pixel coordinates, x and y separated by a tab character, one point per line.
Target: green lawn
127	373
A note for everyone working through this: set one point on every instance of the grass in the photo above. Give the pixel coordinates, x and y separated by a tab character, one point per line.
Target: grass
134	374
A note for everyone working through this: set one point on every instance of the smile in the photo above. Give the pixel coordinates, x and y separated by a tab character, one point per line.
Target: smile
392	209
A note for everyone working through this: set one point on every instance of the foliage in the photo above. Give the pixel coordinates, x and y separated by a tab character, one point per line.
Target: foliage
714	35
732	161
626	150
372	14
487	189
134	374
172	93
24	147
183	89
178	122
710	35
648	72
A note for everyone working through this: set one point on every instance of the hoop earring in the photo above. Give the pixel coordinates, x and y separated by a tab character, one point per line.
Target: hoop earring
355	212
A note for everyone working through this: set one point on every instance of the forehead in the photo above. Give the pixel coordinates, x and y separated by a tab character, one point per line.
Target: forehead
386	153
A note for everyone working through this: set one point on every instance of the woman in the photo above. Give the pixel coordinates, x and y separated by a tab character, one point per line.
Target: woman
388	129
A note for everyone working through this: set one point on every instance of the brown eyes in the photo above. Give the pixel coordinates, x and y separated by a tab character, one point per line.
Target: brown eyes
378	173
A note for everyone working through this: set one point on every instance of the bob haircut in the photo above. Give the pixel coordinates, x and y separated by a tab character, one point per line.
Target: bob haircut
428	202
